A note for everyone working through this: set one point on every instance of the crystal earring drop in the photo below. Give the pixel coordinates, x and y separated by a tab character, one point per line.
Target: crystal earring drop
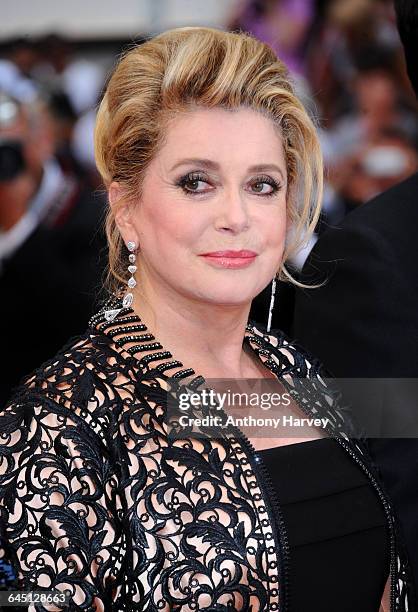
112	313
132	268
272	298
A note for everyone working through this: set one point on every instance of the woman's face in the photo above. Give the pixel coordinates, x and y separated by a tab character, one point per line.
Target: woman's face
211	222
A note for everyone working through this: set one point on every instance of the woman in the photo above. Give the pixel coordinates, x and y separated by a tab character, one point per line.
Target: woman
209	159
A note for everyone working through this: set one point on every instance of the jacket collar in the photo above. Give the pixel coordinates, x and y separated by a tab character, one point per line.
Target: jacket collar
132	339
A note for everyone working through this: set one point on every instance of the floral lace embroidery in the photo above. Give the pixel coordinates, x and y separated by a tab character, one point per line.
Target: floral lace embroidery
96	498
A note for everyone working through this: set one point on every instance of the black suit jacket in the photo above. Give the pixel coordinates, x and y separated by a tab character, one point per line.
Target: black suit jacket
364	321
49	286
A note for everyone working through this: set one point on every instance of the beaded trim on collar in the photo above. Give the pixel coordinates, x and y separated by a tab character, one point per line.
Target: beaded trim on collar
132	337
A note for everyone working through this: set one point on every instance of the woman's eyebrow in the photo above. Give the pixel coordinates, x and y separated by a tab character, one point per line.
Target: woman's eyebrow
211	165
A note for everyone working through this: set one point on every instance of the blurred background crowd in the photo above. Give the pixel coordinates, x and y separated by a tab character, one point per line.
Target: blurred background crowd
348	67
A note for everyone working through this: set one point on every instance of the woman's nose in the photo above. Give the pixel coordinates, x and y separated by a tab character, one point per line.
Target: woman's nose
233	214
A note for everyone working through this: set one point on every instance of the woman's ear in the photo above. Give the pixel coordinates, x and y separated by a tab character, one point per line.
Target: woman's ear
122	209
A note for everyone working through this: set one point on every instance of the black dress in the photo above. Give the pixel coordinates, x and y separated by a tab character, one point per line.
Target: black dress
339	547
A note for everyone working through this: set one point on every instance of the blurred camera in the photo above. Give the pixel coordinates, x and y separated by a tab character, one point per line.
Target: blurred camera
12	162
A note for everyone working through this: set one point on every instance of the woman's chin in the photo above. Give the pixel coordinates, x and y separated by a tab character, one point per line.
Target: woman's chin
231	292
228	298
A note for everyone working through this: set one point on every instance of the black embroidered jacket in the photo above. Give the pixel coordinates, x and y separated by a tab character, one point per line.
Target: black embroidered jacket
96	498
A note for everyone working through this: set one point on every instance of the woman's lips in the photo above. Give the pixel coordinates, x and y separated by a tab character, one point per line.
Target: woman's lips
230	259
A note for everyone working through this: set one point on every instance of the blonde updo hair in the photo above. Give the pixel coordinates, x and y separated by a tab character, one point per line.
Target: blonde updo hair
194	67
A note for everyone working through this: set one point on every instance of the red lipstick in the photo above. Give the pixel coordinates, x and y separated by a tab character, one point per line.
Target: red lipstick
230	258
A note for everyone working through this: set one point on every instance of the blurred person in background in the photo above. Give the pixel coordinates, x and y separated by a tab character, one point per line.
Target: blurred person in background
69	84
73	85
282	24
377	107
377	166
373	147
343	35
16	70
50	240
59	70
64	119
363	322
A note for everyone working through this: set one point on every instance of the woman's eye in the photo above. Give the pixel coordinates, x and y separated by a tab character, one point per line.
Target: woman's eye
193	183
265	187
260	187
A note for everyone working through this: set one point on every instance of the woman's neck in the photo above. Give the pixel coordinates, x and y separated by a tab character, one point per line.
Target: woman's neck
206	337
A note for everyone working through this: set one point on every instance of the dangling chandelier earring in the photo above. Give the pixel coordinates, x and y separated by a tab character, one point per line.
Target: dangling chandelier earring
273	297
132	268
128	298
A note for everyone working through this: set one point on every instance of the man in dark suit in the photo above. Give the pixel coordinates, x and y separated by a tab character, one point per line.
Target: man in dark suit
51	240
364	321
